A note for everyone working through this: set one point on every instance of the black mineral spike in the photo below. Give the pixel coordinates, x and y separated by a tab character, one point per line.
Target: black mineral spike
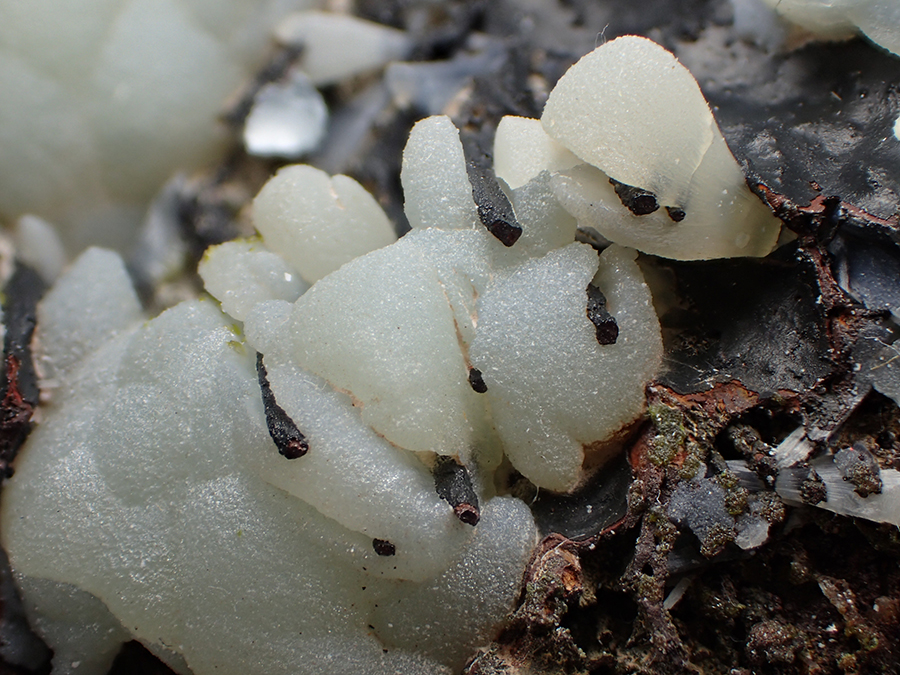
288	439
21	295
637	200
453	484
494	210
605	325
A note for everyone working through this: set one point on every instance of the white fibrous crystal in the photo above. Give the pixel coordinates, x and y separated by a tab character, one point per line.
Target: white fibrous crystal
334	46
634	114
878	20
840	496
153	503
103	100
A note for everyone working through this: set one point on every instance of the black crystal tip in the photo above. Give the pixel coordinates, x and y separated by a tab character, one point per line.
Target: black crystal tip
291	443
637	200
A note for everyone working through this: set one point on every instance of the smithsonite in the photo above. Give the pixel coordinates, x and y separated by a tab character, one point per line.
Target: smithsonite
335	46
878	20
151	502
104	99
318	222
180	525
434	157
522	149
154	475
634	114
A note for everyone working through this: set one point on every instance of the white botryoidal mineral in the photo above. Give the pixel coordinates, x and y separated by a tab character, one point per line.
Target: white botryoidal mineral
634	115
289	118
334	46
151	503
103	100
878	20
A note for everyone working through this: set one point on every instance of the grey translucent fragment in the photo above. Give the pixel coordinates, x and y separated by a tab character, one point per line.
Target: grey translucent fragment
348	137
841	495
746	476
751	531
876	356
751	528
869	273
755	22
429	87
700	506
794	449
288	119
161	249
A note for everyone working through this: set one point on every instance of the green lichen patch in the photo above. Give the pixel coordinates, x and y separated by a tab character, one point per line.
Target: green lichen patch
671	434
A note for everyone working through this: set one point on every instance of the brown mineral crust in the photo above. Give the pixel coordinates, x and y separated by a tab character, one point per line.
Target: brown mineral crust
728	399
827	406
802	218
771	642
707	413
